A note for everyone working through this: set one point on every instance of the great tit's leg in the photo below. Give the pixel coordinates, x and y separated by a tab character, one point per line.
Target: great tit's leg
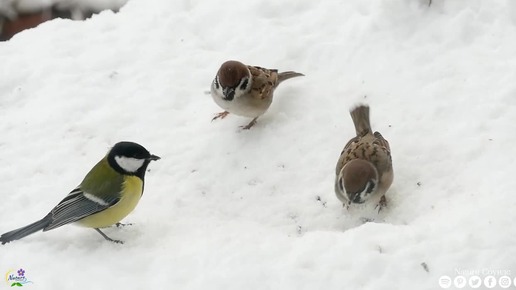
108	238
119	224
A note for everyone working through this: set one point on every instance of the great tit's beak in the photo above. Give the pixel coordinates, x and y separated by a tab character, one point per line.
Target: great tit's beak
154	157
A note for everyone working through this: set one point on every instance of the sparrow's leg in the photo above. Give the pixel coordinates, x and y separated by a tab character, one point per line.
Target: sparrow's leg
119	225
366	220
381	204
248	126
108	238
221	115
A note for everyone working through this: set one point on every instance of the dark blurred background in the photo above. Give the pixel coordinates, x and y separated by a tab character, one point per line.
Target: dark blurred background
18	15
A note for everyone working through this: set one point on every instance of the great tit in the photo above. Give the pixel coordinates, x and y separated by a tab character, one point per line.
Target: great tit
108	193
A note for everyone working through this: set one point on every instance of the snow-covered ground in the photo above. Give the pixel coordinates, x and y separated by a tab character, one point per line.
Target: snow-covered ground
232	209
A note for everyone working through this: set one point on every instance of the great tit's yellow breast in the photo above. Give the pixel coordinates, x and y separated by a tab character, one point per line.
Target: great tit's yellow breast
132	189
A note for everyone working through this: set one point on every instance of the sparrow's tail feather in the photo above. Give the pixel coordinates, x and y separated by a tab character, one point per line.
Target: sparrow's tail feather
26	230
283	76
360	117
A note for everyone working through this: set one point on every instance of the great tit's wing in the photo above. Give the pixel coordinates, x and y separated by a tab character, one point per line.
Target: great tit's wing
77	205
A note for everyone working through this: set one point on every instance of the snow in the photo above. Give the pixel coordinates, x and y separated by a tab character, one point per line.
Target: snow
232	209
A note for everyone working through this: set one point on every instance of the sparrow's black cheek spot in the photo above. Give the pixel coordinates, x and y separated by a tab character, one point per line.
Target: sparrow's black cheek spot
216	83
370	187
244	84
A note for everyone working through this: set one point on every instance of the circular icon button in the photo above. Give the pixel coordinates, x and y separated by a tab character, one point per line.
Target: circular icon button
490	282
474	282
505	282
445	282
460	282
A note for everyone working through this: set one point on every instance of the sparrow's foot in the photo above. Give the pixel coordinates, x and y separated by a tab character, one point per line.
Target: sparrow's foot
366	220
251	124
220	115
381	204
119	225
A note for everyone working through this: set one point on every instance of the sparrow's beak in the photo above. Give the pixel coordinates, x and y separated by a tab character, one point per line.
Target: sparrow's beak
154	157
356	198
229	94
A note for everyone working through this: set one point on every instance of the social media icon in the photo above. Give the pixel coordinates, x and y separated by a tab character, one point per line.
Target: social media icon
460	281
505	282
474	282
445	282
490	282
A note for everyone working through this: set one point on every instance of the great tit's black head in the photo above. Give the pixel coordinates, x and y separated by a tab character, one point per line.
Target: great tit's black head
233	78
358	179
130	158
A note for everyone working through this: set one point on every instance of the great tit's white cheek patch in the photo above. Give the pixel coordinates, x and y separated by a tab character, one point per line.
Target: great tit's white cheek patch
129	164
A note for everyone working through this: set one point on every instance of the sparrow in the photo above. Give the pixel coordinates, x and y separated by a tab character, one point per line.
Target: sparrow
364	168
246	90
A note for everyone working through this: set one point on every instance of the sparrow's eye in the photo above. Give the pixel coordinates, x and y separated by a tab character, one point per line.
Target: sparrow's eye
243	86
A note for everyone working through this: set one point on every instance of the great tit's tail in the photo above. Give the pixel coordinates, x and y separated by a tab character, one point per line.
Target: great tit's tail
26	230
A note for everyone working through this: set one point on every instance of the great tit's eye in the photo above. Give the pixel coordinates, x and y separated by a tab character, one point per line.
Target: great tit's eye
137	155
